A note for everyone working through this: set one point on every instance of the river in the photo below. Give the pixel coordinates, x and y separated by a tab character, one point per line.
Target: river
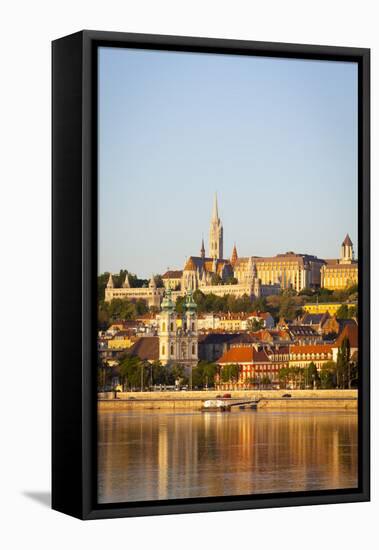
153	455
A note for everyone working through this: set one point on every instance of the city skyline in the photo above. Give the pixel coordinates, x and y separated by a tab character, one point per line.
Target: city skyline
175	128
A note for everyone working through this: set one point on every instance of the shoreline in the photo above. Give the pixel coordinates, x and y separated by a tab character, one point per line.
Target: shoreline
268	399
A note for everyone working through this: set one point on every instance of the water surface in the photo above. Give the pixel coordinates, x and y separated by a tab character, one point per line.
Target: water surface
152	455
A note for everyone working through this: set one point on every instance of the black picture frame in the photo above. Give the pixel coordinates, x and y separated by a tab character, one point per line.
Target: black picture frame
74	294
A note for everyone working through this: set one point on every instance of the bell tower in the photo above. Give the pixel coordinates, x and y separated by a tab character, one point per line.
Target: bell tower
216	234
167	331
347	253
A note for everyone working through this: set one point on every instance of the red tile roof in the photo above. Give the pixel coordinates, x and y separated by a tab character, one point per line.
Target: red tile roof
244	355
172	274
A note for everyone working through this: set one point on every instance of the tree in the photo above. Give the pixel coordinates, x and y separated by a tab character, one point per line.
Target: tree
102	374
284	376
216	279
230	373
231	280
260	304
158	281
203	375
130	372
328	375
311	376
343	312
266	381
254	325
343	364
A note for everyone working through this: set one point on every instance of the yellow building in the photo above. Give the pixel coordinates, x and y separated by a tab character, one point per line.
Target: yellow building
121	340
172	279
289	270
342	273
301	356
330	307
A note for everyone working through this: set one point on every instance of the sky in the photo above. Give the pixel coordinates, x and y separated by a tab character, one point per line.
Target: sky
275	138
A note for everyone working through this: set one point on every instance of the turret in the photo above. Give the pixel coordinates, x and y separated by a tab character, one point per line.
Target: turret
110	283
347	253
234	257
202	250
126	283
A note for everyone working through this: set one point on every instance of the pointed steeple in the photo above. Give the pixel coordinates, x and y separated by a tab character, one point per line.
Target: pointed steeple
347	253
216	233
152	283
215	209
202	250
347	241
234	257
126	283
110	283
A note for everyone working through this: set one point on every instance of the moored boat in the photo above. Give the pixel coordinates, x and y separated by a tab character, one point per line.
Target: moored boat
215	405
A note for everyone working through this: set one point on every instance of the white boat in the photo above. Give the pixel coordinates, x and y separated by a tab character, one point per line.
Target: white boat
215	405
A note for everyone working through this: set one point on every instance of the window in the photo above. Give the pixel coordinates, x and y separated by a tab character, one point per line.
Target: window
193	349
172	350
163	350
163	327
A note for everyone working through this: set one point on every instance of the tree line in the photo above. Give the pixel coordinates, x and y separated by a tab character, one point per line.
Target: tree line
135	374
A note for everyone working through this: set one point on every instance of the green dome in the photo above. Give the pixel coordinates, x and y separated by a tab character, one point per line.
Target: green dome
167	303
190	303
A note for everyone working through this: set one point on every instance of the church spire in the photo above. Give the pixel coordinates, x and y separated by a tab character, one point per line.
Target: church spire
215	217
216	234
234	257
202	250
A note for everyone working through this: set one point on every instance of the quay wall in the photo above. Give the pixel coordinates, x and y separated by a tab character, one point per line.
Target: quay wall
326	399
212	394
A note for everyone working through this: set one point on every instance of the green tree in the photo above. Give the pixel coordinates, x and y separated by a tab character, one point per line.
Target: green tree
131	368
284	376
311	376
328	375
231	280
343	312
216	279
254	325
203	375
266	381
343	364
230	373
158	281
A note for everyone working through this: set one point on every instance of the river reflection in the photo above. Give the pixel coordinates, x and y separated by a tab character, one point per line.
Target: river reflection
152	455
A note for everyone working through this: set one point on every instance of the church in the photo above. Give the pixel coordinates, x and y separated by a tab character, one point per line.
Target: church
178	344
253	276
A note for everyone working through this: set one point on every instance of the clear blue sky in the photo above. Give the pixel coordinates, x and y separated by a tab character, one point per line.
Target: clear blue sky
276	138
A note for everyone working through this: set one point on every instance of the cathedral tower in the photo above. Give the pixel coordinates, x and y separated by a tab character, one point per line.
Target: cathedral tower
347	254
216	234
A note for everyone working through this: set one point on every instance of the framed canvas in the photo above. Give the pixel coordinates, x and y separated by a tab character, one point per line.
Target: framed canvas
211	274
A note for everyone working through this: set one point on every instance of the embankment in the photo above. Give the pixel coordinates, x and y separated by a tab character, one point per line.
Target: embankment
193	400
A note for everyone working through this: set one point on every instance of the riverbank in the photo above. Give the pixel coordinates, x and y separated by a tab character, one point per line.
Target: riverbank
193	400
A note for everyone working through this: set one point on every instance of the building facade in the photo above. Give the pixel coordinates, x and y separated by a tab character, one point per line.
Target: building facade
178	345
151	294
343	272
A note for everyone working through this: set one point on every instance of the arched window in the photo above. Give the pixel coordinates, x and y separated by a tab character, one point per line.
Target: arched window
193	349
172	349
172	327
193	326
163	327
163	350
